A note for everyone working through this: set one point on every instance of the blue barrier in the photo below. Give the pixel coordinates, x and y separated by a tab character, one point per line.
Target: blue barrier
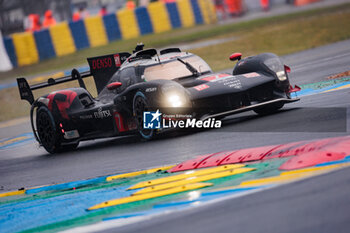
112	27
78	31
173	15
68	37
10	49
44	44
144	21
197	12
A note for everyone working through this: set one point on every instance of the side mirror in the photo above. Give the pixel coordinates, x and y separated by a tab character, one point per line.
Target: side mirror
287	69
114	85
235	56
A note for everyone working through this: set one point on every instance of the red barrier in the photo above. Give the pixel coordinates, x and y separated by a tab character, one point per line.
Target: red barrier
234	7
265	4
304	2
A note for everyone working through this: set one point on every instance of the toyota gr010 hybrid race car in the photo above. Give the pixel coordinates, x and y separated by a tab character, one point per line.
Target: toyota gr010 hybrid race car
129	84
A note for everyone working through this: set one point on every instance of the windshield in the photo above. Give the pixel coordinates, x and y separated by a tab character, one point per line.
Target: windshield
175	69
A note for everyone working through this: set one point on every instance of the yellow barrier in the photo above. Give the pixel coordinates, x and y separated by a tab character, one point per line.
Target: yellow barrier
128	24
62	39
95	31
186	13
208	11
159	17
25	48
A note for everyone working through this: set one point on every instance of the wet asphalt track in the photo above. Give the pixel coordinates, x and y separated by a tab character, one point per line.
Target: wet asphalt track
316	116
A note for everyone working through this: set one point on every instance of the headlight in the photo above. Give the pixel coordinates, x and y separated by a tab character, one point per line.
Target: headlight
175	95
175	101
281	75
275	65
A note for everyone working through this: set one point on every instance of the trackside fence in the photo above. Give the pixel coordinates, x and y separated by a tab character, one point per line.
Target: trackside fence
67	37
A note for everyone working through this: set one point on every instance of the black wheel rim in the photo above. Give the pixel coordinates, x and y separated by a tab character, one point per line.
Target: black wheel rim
46	130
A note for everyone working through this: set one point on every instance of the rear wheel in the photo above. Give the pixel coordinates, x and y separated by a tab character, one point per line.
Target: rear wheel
139	107
49	136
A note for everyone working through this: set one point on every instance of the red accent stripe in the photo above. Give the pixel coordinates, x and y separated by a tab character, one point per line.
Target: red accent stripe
119	122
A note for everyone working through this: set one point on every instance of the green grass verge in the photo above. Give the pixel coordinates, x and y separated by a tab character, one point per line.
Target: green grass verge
183	35
280	34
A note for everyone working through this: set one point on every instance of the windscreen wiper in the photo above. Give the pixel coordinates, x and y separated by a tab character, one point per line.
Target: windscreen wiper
193	70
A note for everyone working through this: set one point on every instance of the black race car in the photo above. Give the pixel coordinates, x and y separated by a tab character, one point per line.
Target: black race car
170	81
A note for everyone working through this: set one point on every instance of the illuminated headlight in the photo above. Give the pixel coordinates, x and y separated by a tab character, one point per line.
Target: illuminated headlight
175	101
281	75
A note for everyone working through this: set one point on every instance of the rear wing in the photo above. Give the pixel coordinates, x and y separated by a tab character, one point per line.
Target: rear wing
102	69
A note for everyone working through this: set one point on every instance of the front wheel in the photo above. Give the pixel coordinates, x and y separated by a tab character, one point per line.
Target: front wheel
140	105
269	109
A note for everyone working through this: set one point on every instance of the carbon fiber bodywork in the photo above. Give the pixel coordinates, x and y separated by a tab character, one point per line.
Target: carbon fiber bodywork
253	85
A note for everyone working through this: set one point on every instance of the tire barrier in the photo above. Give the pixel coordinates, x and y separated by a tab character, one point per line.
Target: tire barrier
67	37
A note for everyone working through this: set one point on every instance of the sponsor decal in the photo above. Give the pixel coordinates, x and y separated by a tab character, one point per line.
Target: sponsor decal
102	113
241	63
153	120
131	59
117	60
151	89
251	75
101	63
232	83
201	87
215	77
84	117
71	134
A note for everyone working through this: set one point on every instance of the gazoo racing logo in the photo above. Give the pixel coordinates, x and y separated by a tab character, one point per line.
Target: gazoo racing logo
154	120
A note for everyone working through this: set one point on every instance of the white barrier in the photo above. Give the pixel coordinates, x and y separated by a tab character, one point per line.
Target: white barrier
5	63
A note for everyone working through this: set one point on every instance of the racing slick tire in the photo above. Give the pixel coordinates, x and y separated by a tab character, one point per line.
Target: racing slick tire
49	136
269	109
139	106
